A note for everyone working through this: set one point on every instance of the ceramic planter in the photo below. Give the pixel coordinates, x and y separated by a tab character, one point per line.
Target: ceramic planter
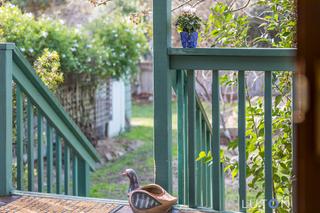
189	40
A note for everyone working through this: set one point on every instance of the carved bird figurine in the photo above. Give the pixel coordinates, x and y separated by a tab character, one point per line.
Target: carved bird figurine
151	198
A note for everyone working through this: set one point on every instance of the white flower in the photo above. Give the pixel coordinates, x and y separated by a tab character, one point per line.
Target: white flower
44	34
61	21
73	49
63	55
22	49
30	50
89	46
188	9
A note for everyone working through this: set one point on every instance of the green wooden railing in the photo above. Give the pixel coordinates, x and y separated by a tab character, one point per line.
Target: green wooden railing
48	145
200	186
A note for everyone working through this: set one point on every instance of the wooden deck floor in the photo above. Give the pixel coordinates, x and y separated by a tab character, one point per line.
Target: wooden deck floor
36	202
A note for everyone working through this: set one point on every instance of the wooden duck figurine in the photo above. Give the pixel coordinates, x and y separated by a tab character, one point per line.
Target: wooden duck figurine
151	198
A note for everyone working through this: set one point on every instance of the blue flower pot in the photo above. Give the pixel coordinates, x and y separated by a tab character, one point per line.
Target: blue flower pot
189	40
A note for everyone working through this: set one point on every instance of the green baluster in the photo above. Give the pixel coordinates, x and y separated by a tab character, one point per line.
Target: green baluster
215	145
40	156
191	136
19	120
242	141
75	174
66	168
268	140
30	144
49	157
58	163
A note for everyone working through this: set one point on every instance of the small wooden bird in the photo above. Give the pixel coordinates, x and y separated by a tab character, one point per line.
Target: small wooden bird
151	198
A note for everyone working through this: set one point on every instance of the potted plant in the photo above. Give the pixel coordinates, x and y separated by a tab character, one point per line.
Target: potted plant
188	24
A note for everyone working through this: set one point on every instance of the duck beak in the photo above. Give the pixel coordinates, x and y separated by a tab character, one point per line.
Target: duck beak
124	174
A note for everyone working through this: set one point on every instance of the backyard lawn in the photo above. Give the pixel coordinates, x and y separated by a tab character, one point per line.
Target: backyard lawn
107	181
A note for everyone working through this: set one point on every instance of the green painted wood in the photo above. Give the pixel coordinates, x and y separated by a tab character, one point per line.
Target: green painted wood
242	141
191	136
49	157
209	171
66	169
5	122
40	155
181	138
58	163
202	165
83	178
75	175
162	94
268	140
24	74
222	187
215	145
207	174
198	163
267	59
186	147
30	149
19	143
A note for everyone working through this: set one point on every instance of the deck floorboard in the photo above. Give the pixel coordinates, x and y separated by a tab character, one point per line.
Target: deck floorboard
44	203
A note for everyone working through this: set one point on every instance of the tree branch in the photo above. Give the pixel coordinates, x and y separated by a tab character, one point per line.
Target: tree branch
188	2
99	2
241	8
181	5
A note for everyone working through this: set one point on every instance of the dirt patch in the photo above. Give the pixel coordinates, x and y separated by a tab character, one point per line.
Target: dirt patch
111	149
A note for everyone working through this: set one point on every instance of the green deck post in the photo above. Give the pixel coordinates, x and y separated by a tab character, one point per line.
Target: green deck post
19	142
83	178
181	138
5	122
268	140
162	94
215	144
191	136
242	141
30	144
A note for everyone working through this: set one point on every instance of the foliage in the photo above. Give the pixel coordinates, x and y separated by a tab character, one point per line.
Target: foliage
47	68
78	51
225	28
188	22
276	28
123	42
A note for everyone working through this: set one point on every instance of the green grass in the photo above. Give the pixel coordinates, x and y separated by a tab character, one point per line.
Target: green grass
107	182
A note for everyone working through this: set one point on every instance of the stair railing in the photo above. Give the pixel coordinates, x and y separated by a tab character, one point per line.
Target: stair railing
59	156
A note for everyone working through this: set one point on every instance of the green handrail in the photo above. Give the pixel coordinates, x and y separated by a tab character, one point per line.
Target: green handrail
17	74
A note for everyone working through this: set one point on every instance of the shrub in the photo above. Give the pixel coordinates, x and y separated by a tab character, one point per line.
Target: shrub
123	44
